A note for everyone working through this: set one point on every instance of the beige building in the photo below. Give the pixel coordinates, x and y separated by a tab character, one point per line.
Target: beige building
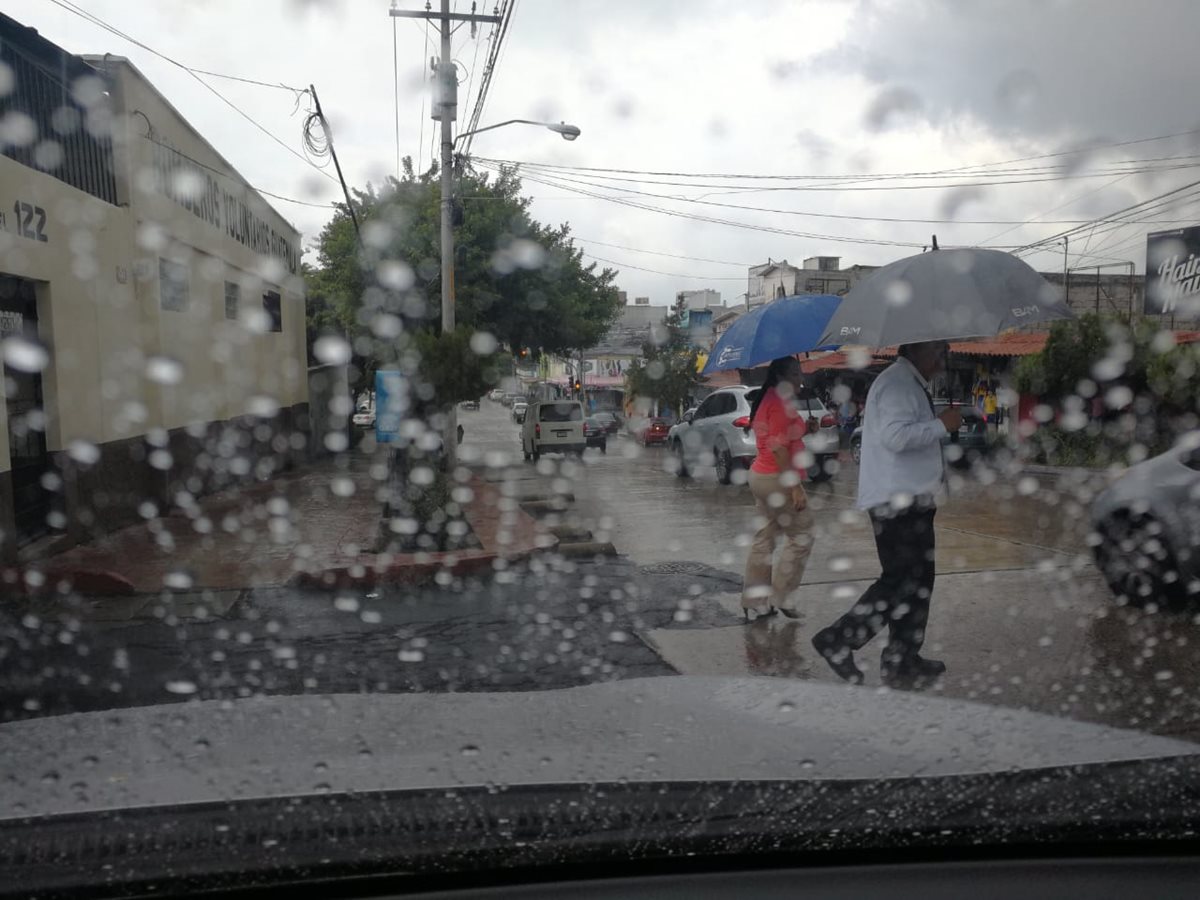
151	308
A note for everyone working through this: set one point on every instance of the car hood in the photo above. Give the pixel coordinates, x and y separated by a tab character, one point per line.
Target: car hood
1146	484
670	728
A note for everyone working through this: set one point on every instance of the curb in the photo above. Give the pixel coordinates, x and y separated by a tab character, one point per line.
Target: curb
499	548
1066	471
28	582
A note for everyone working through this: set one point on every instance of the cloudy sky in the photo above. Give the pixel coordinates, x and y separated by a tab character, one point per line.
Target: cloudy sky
804	88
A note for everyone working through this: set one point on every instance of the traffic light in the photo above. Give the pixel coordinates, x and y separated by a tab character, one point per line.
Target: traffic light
523	352
578	385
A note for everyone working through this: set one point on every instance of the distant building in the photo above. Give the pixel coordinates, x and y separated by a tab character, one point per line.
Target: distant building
818	275
641	301
701	299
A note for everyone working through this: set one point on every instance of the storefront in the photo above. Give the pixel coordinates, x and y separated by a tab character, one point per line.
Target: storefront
150	305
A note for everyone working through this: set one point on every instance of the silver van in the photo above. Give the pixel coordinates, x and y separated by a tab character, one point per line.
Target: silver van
553	426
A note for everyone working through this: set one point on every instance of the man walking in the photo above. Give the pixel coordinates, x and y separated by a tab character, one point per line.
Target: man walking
901	474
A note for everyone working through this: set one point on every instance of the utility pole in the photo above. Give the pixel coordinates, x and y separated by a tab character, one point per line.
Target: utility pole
333	153
445	109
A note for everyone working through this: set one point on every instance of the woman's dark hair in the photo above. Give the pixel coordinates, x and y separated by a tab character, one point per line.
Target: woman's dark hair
775	373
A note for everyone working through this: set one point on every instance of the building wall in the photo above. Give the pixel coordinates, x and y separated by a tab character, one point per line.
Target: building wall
128	376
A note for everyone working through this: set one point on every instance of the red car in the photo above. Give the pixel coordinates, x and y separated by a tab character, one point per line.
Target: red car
652	431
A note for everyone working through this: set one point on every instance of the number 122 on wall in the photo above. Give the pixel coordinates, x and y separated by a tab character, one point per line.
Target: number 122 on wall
30	221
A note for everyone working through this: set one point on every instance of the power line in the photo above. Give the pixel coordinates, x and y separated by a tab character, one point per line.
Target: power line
95	20
746	176
729	222
507	9
232	175
671	274
720	262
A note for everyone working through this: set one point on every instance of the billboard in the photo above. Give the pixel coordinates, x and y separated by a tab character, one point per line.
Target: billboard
1173	273
391	402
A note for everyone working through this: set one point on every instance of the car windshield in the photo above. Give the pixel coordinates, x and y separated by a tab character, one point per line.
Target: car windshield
300	304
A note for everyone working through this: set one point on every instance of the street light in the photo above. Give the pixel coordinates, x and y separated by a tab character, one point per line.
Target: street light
569	132
444	110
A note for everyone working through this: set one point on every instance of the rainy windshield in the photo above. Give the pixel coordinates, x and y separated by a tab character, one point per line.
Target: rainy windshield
890	313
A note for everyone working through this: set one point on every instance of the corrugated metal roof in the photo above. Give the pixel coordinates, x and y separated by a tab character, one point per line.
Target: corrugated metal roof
1019	343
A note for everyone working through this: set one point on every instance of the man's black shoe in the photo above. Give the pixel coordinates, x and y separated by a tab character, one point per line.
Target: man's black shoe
915	673
839	656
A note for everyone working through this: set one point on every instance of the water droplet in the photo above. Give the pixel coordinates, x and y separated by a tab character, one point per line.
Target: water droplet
1164	675
83	452
321	767
371	617
178	580
411	656
483	343
164	370
469	750
23	354
341	486
181	687
807	764
262	406
787	706
345	604
332	349
618	637
840	564
51	777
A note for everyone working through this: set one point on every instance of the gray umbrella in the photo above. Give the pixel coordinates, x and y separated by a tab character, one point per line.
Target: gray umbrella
943	295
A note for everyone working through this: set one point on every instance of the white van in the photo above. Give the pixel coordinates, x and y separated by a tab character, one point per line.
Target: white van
552	426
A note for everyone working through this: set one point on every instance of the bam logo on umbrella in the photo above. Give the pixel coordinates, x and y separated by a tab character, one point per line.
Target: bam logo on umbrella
727	354
848	330
1021	312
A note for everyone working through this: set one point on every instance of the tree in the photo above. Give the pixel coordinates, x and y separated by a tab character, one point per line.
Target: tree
667	372
517	281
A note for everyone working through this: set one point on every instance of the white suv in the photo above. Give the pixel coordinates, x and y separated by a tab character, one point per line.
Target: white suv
553	426
718	433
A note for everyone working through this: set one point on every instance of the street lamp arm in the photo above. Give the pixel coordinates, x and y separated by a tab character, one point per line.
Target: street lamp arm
570	132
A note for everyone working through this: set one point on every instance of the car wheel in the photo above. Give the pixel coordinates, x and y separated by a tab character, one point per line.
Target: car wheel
724	466
604	449
1138	563
536	454
856	451
681	468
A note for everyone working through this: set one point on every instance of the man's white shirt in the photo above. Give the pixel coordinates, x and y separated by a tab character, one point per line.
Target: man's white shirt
901	440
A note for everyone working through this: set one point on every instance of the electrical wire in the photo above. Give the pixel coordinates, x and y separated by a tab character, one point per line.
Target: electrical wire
507	9
424	94
729	222
102	24
233	175
96	20
720	262
959	169
622	265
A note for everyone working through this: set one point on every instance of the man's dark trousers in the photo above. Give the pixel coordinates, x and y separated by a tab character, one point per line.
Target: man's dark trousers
899	599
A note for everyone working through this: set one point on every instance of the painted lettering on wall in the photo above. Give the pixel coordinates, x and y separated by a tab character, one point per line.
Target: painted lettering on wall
30	221
198	191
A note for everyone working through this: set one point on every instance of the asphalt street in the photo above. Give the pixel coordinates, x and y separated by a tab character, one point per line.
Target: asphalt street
1020	615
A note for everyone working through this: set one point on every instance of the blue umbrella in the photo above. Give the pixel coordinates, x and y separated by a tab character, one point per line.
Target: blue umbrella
783	327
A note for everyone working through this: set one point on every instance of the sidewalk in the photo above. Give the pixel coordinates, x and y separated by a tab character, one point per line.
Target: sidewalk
316	527
253	536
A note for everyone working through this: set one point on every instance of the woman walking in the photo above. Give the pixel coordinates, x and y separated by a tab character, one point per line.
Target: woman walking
775	482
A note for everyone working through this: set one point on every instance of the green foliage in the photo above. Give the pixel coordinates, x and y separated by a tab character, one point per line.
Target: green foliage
523	282
1072	350
667	372
452	369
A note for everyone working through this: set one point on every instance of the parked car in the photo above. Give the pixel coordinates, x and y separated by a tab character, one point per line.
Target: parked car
595	433
469	404
553	426
1147	529
972	437
510	398
364	418
610	421
495	395
518	411
718	433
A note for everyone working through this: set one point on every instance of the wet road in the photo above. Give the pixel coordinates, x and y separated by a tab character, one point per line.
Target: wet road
1020	615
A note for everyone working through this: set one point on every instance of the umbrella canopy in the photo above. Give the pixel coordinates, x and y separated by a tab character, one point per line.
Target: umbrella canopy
941	295
780	328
